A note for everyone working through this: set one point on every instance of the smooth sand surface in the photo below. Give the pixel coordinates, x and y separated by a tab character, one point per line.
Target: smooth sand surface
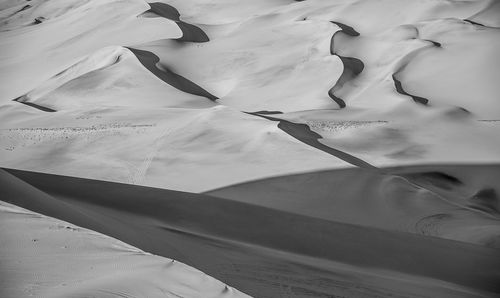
287	148
439	201
229	240
45	257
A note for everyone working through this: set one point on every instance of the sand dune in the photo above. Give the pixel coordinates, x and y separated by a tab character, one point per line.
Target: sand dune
208	233
399	88
82	27
190	32
150	61
60	259
352	66
154	146
34	105
288	148
303	133
391	198
116	78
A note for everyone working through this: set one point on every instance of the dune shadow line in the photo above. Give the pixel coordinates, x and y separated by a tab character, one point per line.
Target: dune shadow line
400	90
303	133
190	33
34	105
150	61
212	234
352	66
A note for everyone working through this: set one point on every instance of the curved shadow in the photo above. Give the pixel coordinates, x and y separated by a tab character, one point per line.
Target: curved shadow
190	33
150	61
346	29
473	23
400	90
406	60
352	66
303	133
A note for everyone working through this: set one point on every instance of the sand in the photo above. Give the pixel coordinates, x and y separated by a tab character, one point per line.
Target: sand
286	148
46	257
237	241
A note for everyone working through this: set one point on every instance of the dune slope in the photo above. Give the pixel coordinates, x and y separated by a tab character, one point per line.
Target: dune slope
45	257
221	236
344	148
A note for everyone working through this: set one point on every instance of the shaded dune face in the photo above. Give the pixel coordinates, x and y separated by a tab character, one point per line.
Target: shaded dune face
400	90
151	62
34	105
287	148
190	33
303	133
352	66
87	263
391	198
212	233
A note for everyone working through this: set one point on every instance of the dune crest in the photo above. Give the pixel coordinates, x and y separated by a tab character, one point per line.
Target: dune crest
342	148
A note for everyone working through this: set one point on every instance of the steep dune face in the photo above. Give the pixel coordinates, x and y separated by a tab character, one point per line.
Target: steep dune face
114	76
32	54
357	115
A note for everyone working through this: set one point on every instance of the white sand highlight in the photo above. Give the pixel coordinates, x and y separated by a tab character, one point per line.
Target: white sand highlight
260	56
105	90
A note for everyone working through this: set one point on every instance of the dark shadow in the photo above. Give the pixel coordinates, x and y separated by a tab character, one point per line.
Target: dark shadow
486	200
34	105
346	29
435	43
400	90
150	61
438	179
190	33
303	133
237	242
474	23
352	68
267	112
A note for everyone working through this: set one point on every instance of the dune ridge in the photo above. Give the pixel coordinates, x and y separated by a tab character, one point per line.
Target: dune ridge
190	33
23	100
151	62
288	148
206	232
303	133
70	261
99	60
352	66
404	63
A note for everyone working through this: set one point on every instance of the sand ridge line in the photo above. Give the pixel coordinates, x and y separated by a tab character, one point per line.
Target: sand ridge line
352	66
303	133
404	63
34	105
114	208
190	33
150	61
